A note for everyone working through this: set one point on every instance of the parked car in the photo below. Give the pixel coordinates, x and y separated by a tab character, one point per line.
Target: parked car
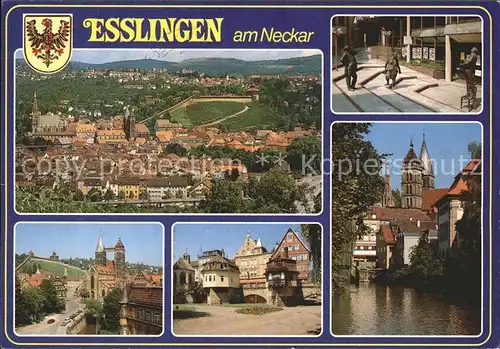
51	321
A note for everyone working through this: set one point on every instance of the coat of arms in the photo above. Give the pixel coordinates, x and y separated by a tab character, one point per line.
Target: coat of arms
48	41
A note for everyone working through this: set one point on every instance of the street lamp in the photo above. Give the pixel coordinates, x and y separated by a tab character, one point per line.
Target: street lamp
336	32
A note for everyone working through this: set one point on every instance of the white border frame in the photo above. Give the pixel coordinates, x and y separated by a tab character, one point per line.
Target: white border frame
459	113
85	335
323	174
482	234
248	335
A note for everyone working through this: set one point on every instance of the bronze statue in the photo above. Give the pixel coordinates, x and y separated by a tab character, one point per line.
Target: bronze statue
392	69
469	67
350	68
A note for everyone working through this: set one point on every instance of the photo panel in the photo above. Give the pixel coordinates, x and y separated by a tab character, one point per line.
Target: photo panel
396	64
171	131
88	279
407	254
247	279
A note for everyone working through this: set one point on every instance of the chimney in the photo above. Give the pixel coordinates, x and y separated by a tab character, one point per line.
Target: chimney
285	252
223	253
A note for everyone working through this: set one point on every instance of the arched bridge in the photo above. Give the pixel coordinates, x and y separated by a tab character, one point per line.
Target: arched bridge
258	293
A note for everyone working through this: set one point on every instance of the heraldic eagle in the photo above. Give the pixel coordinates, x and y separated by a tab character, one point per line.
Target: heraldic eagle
47	45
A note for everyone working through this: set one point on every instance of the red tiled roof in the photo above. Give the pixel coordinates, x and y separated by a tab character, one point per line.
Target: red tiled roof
460	184
108	284
387	233
146	295
109	268
141	128
119	244
389	213
431	196
410	156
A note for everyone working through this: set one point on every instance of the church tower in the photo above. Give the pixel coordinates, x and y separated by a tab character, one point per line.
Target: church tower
120	260
35	115
428	173
100	252
387	197
411	180
129	122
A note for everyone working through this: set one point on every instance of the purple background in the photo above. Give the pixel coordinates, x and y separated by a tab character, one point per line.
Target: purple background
317	20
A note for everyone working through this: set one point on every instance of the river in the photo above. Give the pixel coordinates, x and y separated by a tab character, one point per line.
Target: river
372	309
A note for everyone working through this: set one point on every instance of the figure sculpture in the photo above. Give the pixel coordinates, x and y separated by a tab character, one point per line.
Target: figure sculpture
391	70
350	68
469	67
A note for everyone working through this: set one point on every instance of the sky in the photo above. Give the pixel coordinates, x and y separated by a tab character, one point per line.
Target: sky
143	242
176	55
446	142
230	237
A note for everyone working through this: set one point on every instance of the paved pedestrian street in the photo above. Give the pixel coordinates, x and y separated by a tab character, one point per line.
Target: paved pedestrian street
414	93
224	320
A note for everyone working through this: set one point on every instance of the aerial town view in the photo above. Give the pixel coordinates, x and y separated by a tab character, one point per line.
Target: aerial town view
171	131
102	279
247	279
407	229
408	64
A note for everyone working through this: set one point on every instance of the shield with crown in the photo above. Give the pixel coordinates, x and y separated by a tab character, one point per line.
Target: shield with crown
48	41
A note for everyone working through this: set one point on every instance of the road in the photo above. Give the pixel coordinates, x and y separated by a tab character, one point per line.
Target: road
220	320
54	328
415	93
227	117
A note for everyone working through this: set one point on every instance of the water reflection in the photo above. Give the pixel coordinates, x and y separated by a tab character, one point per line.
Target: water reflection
378	310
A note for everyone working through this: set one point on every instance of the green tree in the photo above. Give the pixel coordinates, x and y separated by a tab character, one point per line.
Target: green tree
78	195
274	192
353	193
176	148
93	307
111	309
144	195
94	195
304	155
52	303
396	194
109	195
312	234
425	263
30	304
84	293
463	263
121	195
225	197
475	150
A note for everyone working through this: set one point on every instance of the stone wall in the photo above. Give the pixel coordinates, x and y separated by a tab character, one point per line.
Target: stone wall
78	324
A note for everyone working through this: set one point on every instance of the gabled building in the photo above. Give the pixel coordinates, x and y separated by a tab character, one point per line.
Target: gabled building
251	259
297	250
183	273
450	206
60	287
141	310
221	278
